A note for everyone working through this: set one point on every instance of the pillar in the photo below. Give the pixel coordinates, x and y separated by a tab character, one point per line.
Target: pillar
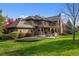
40	30
50	30
33	32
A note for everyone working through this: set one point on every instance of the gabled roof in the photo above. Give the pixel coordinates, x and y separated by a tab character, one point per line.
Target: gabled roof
20	24
24	24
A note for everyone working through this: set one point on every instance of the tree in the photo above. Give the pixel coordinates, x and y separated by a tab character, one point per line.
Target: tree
6	24
73	13
68	27
2	19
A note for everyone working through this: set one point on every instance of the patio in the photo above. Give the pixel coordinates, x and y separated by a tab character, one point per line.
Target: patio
34	38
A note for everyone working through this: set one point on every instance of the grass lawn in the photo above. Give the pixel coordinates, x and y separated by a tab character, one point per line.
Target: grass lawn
60	46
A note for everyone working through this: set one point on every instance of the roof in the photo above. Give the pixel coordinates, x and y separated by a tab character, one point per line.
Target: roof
14	24
24	25
53	18
36	17
20	24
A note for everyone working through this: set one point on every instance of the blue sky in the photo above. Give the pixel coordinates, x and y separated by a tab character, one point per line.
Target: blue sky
14	10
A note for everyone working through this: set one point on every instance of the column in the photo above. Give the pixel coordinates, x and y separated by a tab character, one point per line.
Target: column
33	32
50	30
40	31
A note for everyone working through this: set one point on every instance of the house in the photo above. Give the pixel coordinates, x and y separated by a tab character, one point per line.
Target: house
38	25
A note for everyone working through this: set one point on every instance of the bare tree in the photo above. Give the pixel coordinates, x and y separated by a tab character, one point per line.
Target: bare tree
73	13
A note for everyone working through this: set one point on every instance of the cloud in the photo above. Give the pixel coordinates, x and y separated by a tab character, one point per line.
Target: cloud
23	16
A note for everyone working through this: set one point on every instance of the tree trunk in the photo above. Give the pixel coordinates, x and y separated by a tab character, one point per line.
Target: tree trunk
73	31
73	34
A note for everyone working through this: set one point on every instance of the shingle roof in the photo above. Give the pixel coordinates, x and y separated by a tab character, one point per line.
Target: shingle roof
53	18
36	17
20	24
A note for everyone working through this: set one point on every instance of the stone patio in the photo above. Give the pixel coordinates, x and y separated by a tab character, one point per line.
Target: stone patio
34	38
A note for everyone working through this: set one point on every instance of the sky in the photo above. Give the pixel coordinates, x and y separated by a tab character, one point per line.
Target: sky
15	10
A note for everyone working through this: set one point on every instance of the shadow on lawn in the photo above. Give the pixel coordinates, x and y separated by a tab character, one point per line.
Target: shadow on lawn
51	48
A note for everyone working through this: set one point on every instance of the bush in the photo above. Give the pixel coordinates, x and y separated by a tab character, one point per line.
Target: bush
9	36
5	37
0	35
14	34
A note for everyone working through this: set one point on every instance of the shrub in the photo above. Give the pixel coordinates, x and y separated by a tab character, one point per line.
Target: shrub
5	37
9	36
0	35
14	34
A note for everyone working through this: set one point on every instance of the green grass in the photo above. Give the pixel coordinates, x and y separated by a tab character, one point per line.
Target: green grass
60	46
